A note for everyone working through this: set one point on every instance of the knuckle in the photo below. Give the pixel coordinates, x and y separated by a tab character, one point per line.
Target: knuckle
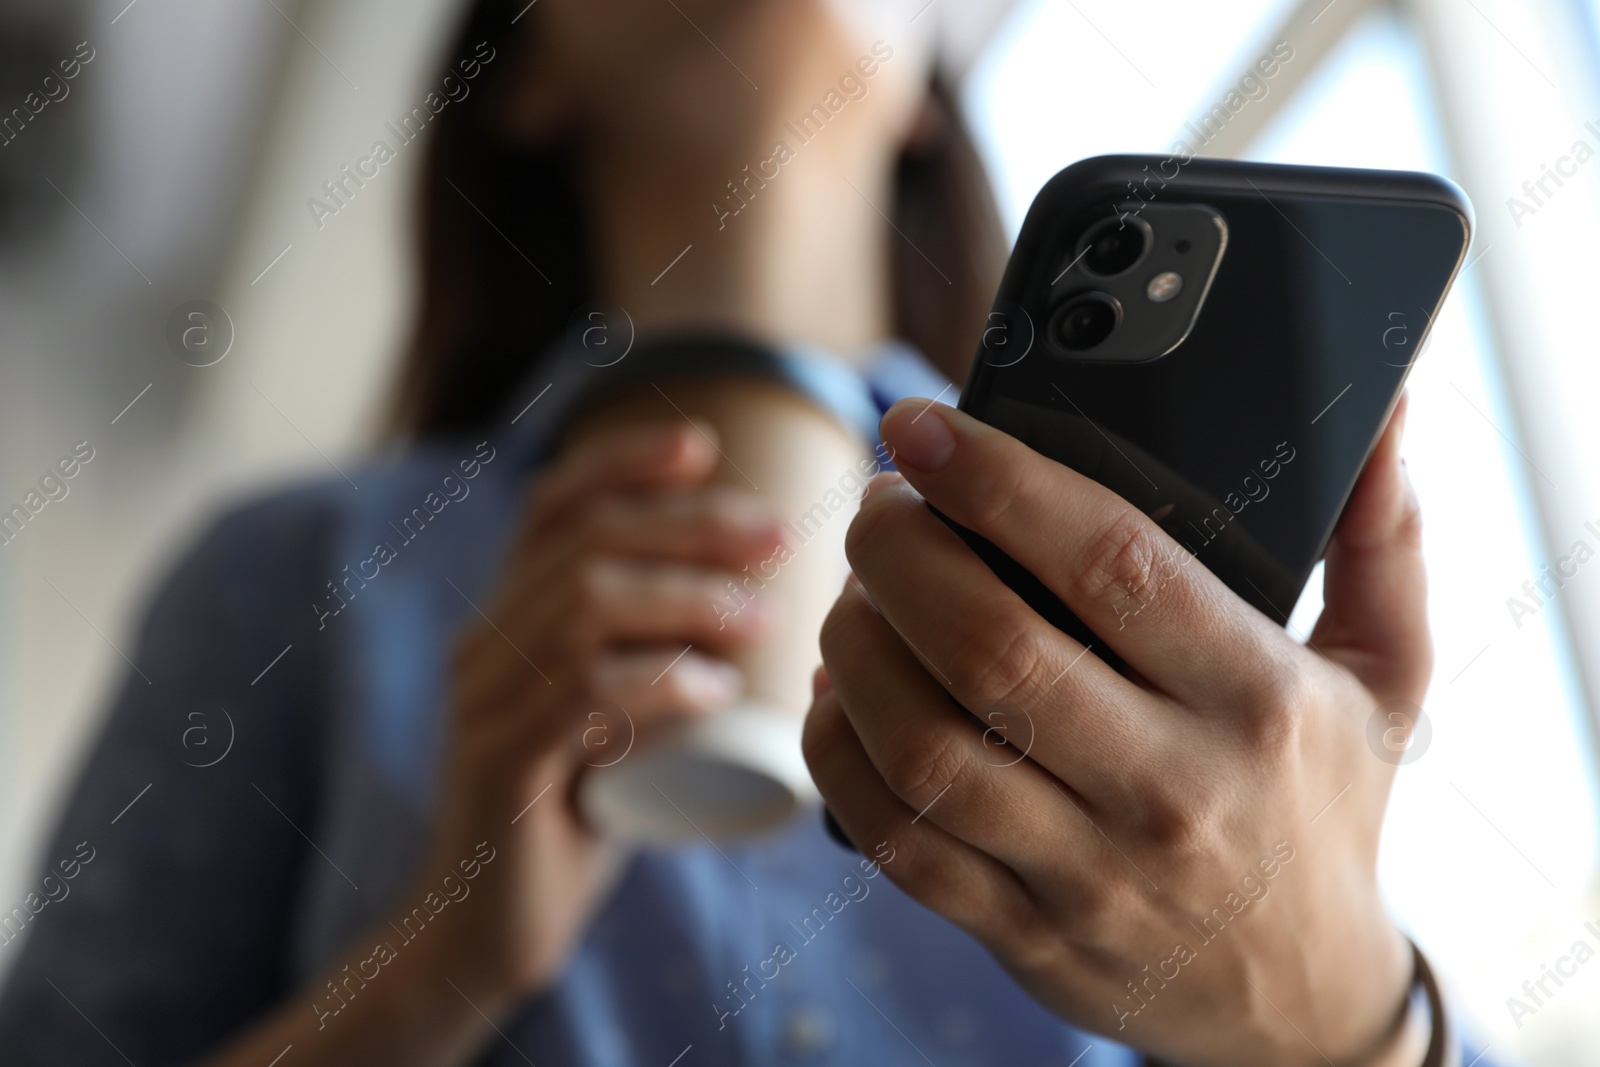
924	874
920	769
1036	942
1408	528
1002	663
991	498
1277	696
841	629
920	869
1080	917
873	525
1186	824
1122	561
825	729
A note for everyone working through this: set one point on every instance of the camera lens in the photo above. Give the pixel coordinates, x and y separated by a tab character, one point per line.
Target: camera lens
1114	245
1084	321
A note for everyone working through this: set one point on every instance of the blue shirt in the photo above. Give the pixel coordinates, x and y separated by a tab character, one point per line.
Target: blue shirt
262	791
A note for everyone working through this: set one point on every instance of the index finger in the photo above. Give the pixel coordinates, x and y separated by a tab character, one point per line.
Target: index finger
628	458
1174	622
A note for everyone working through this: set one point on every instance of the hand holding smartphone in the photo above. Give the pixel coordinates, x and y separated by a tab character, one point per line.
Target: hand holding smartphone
1184	383
1215	341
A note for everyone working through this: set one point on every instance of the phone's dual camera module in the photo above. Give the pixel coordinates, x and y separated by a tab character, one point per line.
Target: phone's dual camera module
1111	247
1133	282
1114	245
1084	321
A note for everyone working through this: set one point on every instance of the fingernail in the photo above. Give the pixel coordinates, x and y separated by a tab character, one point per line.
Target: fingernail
836	831
763	530
711	682
919	435
671	435
759	612
821	684
880	480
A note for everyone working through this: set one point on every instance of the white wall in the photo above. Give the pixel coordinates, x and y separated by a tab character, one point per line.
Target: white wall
204	129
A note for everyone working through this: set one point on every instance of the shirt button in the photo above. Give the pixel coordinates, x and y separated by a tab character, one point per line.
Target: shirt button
807	1032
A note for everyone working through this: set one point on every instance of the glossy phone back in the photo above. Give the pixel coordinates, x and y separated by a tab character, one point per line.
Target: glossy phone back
1245	440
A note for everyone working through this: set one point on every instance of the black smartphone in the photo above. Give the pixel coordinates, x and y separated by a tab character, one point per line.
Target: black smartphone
1220	343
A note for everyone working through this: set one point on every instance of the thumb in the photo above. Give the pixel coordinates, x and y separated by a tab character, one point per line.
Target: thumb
1375	618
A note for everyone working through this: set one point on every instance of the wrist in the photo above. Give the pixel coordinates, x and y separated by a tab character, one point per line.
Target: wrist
1366	997
1421	1035
392	999
1406	1042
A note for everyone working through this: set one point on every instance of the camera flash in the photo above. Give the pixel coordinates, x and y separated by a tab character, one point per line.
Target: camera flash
1164	286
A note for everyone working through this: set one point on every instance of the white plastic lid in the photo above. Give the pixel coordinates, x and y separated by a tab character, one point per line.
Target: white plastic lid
724	778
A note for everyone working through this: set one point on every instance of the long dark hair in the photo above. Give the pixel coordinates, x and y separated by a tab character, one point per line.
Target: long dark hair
505	259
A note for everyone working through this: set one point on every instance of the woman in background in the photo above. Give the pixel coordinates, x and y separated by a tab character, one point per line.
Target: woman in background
390	865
